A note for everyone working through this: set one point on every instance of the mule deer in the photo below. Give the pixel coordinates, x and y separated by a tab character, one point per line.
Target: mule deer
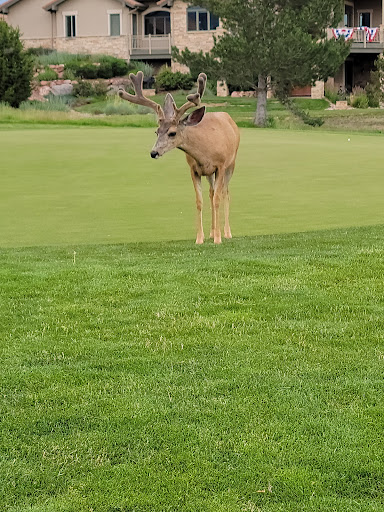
210	141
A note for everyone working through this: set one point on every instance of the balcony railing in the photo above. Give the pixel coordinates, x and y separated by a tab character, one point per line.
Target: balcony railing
151	45
361	38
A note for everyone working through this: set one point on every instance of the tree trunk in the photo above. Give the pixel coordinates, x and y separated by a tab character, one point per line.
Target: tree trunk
261	112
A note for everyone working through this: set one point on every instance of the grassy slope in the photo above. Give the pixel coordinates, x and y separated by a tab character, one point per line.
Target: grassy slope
168	377
92	185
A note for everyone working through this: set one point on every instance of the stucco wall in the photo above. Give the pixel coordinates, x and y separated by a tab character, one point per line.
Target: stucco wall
366	6
31	18
92	16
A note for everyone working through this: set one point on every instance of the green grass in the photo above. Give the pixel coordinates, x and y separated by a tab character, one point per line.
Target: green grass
99	185
168	377
142	373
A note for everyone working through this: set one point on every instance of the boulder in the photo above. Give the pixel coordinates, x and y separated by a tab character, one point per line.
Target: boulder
62	89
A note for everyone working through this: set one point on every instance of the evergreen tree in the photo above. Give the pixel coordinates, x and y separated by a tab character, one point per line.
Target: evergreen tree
16	67
281	41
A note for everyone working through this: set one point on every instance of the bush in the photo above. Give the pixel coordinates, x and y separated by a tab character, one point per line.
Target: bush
360	101
374	95
87	70
166	80
54	103
100	89
48	74
117	106
105	70
69	75
16	67
40	50
359	98
83	89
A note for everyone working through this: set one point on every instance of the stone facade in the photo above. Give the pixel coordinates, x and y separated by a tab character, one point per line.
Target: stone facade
317	91
115	46
36	43
181	38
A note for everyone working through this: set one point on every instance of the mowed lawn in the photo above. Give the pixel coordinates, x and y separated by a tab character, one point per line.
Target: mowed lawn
99	185
161	376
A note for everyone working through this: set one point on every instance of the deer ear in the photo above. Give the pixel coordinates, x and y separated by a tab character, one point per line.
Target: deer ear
169	106
195	118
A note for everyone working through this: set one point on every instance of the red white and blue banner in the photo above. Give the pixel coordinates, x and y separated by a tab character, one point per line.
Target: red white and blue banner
347	33
371	33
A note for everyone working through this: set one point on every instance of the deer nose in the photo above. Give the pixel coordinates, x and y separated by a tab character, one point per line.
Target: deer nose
154	154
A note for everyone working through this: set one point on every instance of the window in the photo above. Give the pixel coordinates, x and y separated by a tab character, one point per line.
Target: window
201	19
70	25
348	16
158	23
134	24
364	19
114	24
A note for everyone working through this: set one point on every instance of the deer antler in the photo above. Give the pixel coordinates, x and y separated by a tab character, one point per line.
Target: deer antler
139	98
193	99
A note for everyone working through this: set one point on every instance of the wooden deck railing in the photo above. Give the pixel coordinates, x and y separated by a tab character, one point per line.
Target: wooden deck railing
151	44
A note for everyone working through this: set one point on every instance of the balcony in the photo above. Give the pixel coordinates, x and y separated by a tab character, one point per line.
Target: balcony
362	42
150	47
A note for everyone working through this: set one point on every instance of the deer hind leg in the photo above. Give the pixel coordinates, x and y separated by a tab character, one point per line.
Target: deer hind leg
196	179
226	197
211	181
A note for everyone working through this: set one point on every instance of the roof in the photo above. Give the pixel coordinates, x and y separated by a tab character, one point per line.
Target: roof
53	4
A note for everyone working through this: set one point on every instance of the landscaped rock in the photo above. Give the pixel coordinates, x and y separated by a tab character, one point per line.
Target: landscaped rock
62	89
243	94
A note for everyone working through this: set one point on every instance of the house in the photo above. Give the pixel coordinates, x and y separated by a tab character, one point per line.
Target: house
147	30
363	25
129	29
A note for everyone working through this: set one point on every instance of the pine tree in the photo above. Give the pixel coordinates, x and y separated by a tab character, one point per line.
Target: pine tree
277	41
16	67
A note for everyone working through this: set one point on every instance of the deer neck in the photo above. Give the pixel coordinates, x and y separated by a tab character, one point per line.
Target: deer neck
193	144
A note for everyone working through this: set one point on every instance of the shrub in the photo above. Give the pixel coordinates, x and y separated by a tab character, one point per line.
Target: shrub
116	106
83	89
54	103
69	74
360	101
119	67
105	70
87	70
100	89
40	50
16	67
374	95
333	94
48	74
166	80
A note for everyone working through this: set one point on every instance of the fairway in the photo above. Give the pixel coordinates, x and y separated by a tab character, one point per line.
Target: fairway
142	373
99	185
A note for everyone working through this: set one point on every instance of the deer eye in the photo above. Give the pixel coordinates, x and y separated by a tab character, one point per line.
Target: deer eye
172	134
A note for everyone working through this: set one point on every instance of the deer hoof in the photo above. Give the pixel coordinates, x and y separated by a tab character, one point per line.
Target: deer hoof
199	241
217	241
228	235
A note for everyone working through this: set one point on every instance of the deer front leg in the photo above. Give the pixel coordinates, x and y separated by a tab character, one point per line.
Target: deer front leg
218	192
211	181
227	228
196	179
